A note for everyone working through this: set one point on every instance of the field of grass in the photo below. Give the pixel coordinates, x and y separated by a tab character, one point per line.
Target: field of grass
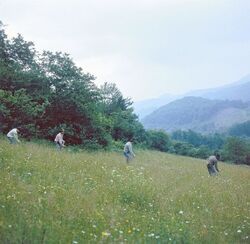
48	196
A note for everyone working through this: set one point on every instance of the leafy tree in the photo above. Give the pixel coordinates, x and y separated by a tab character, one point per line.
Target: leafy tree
19	109
183	148
236	150
213	142
122	122
242	129
159	140
203	152
112	99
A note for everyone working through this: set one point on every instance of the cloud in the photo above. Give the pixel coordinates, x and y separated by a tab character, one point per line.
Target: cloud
147	47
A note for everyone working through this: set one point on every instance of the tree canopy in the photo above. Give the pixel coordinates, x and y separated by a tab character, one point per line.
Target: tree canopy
44	92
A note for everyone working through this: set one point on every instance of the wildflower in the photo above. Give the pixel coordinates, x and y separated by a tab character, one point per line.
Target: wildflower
181	212
74	242
94	226
129	231
105	233
239	231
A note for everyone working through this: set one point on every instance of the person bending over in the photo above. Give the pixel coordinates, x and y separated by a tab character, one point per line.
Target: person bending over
13	136
212	164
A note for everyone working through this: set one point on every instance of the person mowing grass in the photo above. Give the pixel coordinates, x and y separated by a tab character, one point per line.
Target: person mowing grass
13	136
59	140
128	151
212	164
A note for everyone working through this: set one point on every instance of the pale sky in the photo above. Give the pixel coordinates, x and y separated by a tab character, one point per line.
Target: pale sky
146	47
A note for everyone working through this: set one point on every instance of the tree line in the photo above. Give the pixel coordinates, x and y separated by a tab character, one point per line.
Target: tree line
44	92
231	147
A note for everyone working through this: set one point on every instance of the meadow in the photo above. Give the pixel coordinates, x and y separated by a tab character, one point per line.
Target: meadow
47	196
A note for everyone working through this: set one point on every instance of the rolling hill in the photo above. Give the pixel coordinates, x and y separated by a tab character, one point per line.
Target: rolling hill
198	114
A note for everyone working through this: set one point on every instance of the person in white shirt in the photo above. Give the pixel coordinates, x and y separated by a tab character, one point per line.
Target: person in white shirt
13	136
59	140
128	151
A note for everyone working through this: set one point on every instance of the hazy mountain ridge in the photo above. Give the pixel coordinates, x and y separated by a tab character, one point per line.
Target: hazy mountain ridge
199	114
239	90
145	107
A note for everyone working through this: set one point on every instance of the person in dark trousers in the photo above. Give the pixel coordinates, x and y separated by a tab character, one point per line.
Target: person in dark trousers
212	164
59	140
13	136
128	151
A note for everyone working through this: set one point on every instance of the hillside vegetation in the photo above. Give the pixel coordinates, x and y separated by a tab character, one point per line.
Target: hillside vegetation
238	90
47	196
198	114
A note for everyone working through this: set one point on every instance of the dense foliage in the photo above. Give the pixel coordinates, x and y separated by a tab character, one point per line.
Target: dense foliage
44	92
242	129
191	143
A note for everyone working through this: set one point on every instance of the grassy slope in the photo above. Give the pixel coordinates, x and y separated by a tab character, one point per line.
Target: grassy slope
52	197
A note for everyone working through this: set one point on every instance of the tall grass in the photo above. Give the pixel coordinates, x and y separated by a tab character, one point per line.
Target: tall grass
47	196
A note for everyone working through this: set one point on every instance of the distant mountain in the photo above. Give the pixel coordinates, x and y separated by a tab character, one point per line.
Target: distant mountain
145	107
239	90
198	114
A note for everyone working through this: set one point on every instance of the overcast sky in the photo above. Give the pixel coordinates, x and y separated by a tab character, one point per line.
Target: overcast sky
146	47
